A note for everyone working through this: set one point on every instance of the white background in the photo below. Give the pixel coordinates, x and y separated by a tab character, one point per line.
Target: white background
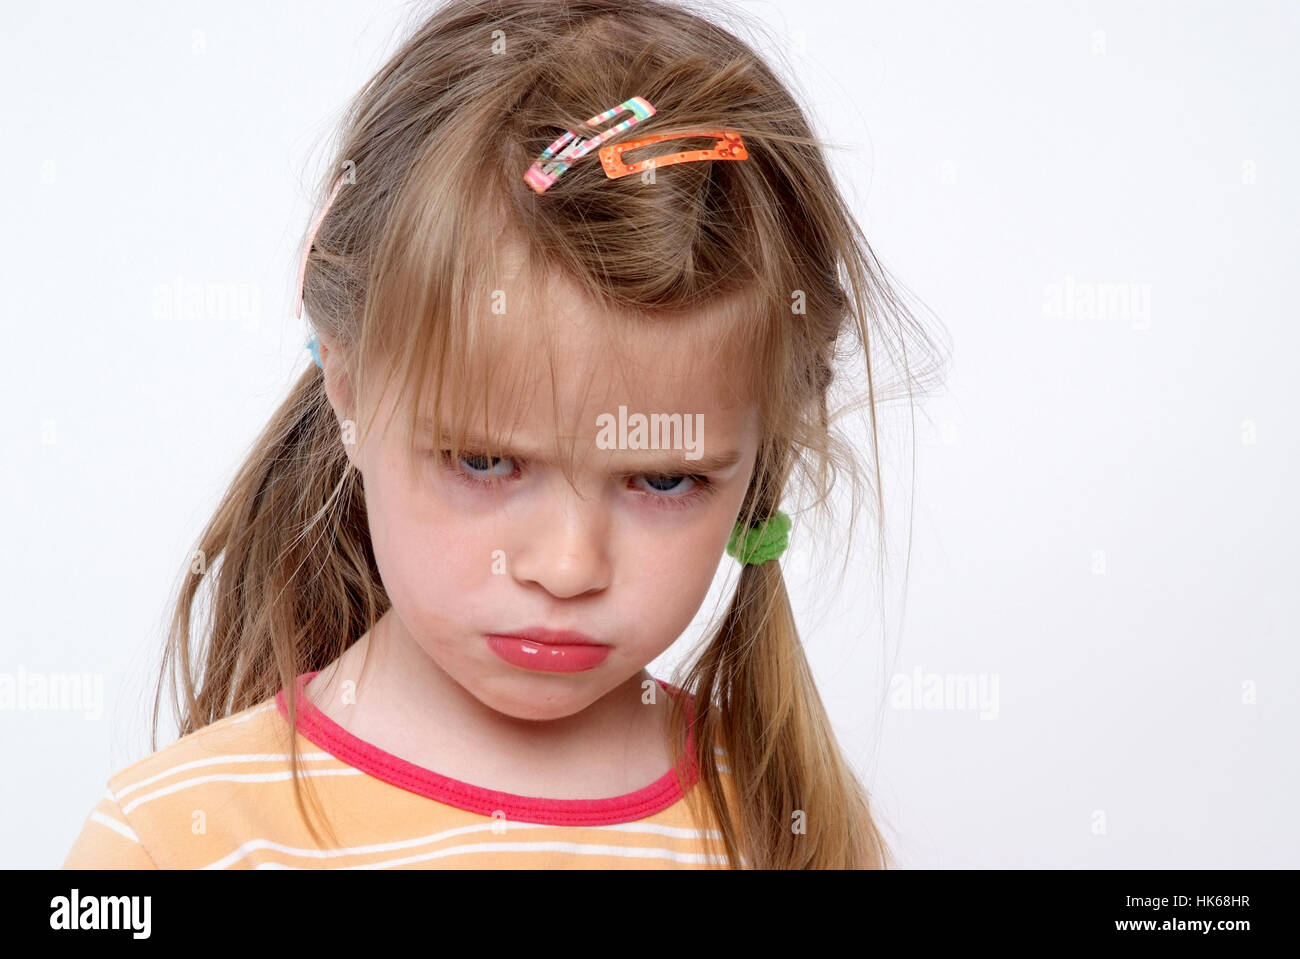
1103	521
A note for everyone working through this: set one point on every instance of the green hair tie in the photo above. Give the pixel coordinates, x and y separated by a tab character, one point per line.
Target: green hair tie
766	539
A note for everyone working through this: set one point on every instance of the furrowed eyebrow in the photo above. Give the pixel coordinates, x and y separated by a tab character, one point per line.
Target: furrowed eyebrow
651	462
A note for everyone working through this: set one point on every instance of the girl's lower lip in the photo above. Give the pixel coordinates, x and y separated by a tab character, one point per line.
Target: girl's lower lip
546	658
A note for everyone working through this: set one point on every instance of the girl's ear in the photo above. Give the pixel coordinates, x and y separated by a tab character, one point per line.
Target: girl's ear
339	390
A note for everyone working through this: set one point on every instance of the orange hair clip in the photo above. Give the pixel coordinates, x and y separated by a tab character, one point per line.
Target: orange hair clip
729	146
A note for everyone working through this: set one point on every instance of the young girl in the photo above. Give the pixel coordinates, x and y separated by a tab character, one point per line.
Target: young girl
436	582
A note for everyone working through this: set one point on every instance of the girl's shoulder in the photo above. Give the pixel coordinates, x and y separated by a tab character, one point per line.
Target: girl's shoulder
137	812
250	732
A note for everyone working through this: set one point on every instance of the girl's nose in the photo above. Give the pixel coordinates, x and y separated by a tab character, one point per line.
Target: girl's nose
565	550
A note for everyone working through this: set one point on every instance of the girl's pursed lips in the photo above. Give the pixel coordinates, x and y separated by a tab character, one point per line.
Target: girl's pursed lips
552	637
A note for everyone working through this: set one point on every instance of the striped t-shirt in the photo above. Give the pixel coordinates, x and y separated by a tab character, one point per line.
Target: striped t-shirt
221	798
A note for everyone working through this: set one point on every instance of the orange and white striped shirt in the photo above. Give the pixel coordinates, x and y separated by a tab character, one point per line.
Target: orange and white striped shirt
221	798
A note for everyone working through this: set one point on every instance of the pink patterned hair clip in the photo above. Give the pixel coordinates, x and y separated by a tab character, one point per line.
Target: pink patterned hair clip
556	158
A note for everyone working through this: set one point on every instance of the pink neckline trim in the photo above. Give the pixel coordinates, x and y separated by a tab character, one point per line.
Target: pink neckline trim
324	732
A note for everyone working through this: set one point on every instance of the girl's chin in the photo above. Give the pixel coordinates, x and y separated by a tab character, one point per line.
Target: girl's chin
537	696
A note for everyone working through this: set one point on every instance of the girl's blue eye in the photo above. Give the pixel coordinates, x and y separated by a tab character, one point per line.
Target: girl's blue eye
669	482
481	463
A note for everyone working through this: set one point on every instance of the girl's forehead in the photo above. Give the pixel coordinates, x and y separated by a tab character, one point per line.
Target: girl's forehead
551	338
579	372
530	349
564	376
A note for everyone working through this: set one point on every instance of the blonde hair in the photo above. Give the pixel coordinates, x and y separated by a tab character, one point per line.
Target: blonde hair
434	148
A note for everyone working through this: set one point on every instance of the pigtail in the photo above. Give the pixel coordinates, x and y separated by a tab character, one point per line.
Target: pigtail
290	575
795	802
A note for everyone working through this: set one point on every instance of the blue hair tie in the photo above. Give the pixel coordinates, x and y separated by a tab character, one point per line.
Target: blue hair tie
314	346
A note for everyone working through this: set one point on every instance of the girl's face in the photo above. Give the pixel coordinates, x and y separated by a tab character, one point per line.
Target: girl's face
626	558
